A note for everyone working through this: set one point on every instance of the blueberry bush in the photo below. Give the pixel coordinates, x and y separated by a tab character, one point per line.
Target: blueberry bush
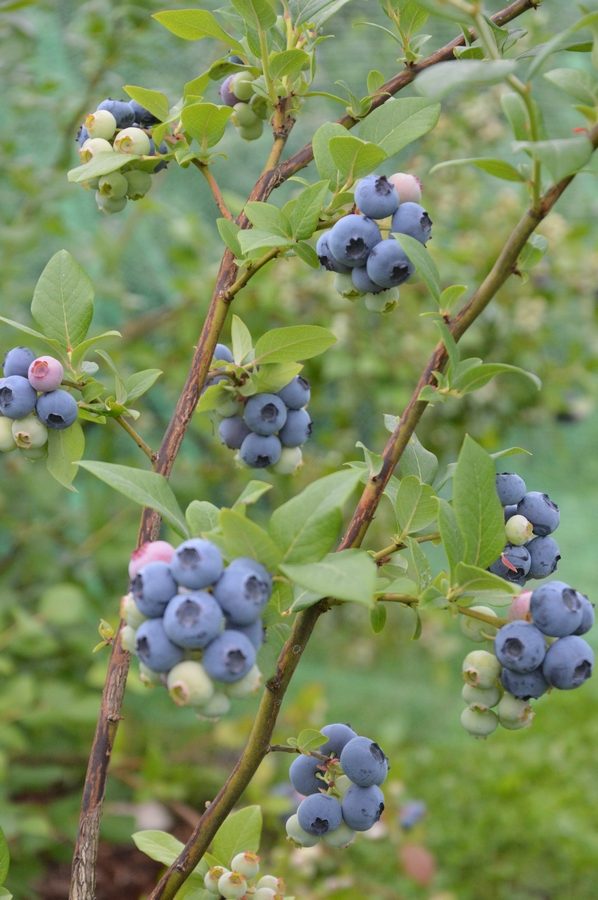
232	577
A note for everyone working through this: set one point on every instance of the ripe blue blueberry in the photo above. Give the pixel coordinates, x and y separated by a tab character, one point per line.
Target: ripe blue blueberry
556	609
57	409
541	511
568	663
297	428
513	564
412	219
510	511
153	587
193	620
363	283
17	361
226	94
154	648
362	807
304	772
412	813
352	238
520	646
327	260
141	115
319	813
254	631
524	686
338	735
121	110
222	352
233	431
388	265
242	591
376	197
229	657
510	488
258	451
587	620
17	397
544	556
296	394
364	762
265	414
196	563
82	135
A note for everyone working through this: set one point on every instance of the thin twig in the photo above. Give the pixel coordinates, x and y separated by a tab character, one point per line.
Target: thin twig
215	188
126	426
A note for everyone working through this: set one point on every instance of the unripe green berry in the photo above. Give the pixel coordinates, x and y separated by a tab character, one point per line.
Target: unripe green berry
479	721
514	714
247	685
264	893
114	185
215	708
7	440
29	433
110	205
148	677
480	696
34	452
129	611
132	140
253	132
290	460
93	146
248	864
232	885
189	684
138	183
101	124
297	835
259	106
271	881
212	877
342	784
127	639
518	530
244	117
475	629
481	669
340	837
230	405
242	85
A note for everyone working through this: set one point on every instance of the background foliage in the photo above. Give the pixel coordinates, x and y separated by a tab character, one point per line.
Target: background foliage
512	817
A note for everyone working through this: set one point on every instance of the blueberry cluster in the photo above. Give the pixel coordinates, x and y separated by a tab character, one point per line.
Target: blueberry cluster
266	429
192	621
354	246
249	109
240	880
530	519
124	127
341	788
540	648
31	401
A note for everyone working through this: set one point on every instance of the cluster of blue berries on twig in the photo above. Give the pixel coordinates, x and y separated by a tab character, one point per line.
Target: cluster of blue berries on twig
193	621
31	401
530	519
249	109
540	648
267	429
354	248
341	787
121	126
243	880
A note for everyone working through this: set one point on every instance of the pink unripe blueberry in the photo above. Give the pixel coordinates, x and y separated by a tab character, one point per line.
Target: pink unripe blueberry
519	608
151	551
45	374
519	530
408	186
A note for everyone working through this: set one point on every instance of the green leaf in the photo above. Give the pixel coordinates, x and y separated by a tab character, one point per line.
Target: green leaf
288	63
212	397
450	534
81	349
349	575
55	345
257	13
139	383
241	340
307	525
154	101
398	123
307	254
252	492
293	343
477	376
271	378
65	449
450	295
303	212
378	617
423	262
560	40
256	239
242	537
62	302
194	25
5	894
418	566
267	217
445	10
4	857
101	164
241	831
201	516
158	845
416	505
496	167
228	231
578	84
562	157
416	460
205	122
310	739
316	11
479	584
321	147
476	504
353	157
444	77
145	488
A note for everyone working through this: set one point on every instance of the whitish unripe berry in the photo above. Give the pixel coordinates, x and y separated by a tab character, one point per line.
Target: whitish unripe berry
29	433
92	147
148	677
211	878
114	185
101	124
232	885
481	669
290	460
252	132
341	837
248	864
247	685
189	684
480	696
242	85
127	638
298	835
244	117
514	714
7	441
271	881
475	629
215	708
110	205
408	186
519	530
138	183
479	721
265	893
129	611
132	140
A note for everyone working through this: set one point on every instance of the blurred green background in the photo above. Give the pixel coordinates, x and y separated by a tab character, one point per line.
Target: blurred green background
513	817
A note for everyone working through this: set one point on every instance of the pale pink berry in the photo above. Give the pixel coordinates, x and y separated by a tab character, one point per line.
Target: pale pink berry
45	374
408	186
519	606
151	551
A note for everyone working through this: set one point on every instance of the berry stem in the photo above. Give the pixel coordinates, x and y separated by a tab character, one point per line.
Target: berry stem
215	188
407	599
496	621
381	556
151	454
